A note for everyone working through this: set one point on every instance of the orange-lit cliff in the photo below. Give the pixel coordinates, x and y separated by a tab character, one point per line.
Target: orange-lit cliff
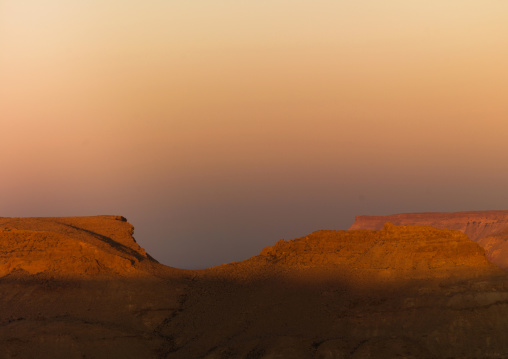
487	228
82	287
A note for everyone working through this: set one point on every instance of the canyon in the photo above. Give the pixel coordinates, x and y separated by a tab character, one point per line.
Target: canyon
81	287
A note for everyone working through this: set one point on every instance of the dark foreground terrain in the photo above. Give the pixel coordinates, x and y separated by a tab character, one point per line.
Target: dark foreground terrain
81	287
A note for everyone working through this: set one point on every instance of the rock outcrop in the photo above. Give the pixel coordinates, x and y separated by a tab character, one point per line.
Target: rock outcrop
67	247
77	287
488	228
82	287
403	291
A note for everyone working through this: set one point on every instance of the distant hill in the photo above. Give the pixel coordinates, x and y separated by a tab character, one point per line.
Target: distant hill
488	228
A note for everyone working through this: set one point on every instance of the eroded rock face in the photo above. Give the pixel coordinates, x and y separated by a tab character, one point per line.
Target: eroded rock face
77	287
408	252
82	287
403	291
67	247
488	228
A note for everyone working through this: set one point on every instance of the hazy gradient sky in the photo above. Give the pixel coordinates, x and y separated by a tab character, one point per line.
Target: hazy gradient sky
218	127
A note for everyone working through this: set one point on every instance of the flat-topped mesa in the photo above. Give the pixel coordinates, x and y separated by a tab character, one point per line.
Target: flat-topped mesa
84	247
392	253
476	224
488	228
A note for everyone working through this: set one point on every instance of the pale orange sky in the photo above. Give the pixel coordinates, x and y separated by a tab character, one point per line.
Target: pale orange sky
219	127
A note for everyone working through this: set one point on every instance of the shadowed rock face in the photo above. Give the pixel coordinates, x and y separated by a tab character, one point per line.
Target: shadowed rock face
488	228
402	291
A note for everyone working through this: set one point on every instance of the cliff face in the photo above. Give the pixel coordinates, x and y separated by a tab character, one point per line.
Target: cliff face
392	253
68	247
488	228
403	252
403	291
77	287
82	287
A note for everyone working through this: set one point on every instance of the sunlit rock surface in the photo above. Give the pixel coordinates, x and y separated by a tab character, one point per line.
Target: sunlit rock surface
399	292
488	228
82	287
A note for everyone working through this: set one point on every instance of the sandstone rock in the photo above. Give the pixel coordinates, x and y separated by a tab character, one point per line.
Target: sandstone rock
78	287
69	247
82	287
488	228
403	291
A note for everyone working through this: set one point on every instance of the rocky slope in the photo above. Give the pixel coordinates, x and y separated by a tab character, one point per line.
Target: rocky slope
72	247
413	292
80	287
402	291
488	228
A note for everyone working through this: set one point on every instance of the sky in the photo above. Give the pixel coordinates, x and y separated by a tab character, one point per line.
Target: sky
219	127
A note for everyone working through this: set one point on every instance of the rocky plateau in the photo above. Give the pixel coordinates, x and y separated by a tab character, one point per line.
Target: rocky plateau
488	228
81	287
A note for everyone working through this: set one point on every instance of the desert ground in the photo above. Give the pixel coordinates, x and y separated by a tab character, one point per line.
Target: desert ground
412	286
